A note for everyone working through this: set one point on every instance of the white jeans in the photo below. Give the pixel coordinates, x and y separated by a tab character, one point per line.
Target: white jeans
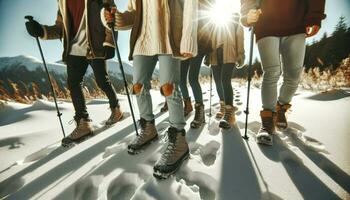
288	52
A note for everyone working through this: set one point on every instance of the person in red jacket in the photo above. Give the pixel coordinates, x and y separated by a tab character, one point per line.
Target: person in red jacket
86	42
280	29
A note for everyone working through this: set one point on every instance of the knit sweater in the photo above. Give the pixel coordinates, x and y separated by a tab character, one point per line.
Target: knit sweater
231	42
284	18
158	25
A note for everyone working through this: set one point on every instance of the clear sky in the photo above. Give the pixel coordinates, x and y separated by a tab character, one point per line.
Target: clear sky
14	39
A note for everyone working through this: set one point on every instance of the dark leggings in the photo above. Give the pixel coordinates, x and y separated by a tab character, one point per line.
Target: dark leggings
191	66
222	77
76	69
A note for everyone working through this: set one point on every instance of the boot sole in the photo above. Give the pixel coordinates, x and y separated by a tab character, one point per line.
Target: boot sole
265	140
132	151
69	142
162	176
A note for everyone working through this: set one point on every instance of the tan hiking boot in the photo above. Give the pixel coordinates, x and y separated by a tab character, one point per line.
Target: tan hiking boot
199	117
187	106
229	118
116	115
221	112
268	128
174	155
83	130
281	120
146	136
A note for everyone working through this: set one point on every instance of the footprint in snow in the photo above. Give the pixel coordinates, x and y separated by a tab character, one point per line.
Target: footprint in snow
209	152
124	186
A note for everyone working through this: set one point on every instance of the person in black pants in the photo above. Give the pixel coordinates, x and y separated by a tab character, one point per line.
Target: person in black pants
86	42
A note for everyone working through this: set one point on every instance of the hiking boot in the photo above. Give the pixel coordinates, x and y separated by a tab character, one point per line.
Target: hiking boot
146	136
199	117
81	132
281	120
229	118
187	106
165	107
174	155
221	112
267	129
116	115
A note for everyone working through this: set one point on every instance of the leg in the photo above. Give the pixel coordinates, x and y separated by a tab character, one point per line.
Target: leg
76	68
293	53
102	79
143	69
217	71
226	75
269	49
195	66
169	72
183	81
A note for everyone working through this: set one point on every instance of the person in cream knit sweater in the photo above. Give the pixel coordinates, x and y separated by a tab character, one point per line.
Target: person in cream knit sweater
166	32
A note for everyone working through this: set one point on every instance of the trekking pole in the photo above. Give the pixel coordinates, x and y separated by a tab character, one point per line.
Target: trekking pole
249	74
59	114
210	93
107	5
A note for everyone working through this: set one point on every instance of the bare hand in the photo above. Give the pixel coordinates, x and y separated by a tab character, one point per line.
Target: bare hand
312	30
109	15
187	55
253	16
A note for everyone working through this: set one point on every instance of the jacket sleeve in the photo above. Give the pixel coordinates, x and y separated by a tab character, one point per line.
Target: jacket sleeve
315	12
189	29
55	31
127	17
246	5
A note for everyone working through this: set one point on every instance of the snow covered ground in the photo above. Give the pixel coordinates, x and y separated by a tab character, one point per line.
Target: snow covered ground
310	160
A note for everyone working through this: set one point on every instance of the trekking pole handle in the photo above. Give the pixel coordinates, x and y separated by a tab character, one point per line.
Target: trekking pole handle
29	18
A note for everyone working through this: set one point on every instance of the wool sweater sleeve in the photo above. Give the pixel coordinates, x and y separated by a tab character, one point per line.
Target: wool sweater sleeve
189	30
55	31
315	12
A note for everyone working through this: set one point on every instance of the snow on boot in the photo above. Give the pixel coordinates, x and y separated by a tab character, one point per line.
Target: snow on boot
147	135
281	120
229	118
165	107
267	129
199	117
221	112
81	132
174	155
187	106
116	115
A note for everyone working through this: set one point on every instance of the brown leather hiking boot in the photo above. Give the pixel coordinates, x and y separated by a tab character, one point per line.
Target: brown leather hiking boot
83	130
199	117
229	118
116	115
187	106
221	112
281	121
267	129
147	135
176	152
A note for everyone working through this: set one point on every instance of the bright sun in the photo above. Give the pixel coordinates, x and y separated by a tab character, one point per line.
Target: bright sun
221	12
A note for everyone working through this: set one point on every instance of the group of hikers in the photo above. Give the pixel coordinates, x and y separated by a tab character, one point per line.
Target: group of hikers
178	35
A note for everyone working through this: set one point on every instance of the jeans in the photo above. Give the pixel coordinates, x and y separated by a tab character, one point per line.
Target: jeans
169	73
76	69
222	76
192	66
290	51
